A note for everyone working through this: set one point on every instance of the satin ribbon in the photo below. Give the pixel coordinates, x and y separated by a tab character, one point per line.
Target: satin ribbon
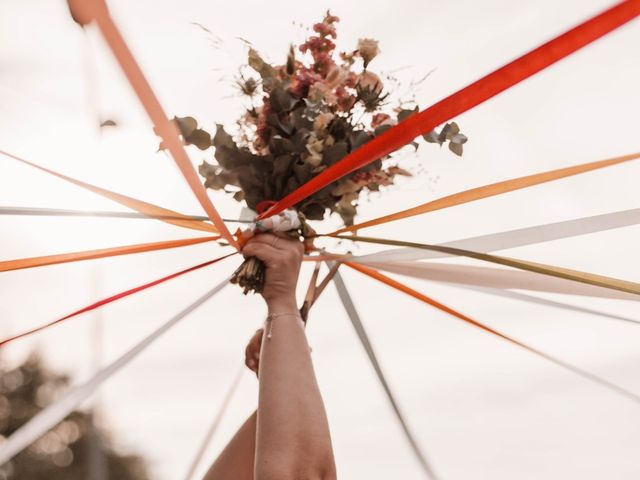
111	299
358	326
523	297
501	279
515	238
53	414
423	298
566	273
66	212
467	98
191	472
148	209
32	262
491	190
499	282
86	11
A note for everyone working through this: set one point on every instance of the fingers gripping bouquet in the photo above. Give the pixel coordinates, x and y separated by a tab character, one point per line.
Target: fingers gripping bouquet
304	116
251	273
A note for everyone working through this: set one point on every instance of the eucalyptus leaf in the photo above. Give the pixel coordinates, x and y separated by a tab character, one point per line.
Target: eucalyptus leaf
432	137
238	196
456	148
281	100
359	138
404	114
199	138
186	125
279	145
256	62
334	153
381	129
313	211
459	138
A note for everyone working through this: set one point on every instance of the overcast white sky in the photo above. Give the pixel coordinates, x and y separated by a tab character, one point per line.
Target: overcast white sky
481	409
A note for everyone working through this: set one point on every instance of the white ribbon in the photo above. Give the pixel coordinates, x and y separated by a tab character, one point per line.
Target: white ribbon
515	238
214	426
546	302
65	212
350	308
58	411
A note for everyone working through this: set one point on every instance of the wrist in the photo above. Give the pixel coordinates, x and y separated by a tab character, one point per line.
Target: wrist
282	305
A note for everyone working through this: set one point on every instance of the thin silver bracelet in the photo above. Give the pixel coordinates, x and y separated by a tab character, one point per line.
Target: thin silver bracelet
272	316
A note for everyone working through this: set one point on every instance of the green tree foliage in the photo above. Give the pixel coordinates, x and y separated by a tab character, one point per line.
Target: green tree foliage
73	450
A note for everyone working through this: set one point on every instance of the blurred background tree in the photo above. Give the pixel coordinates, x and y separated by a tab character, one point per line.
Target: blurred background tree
73	450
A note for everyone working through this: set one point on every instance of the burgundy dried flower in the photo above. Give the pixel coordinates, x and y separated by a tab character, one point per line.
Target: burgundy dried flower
352	80
263	130
380	119
346	101
302	81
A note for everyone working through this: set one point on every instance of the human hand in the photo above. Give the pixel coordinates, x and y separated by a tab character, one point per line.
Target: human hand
252	352
282	257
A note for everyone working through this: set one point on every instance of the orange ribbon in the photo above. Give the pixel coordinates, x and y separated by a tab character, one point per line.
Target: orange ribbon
164	214
423	298
86	11
490	191
31	262
112	298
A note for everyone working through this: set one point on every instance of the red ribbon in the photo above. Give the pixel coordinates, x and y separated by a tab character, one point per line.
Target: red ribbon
467	98
111	299
265	205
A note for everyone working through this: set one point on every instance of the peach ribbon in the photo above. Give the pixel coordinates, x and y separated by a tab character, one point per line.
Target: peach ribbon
423	298
86	11
495	278
565	273
164	214
491	190
31	262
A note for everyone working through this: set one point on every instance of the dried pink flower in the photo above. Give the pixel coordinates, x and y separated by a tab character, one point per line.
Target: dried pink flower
345	100
368	49
336	76
369	80
317	44
322	121
352	80
320	91
303	80
325	29
330	18
314	146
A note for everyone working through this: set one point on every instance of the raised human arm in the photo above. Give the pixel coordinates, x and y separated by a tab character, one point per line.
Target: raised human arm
292	436
288	438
